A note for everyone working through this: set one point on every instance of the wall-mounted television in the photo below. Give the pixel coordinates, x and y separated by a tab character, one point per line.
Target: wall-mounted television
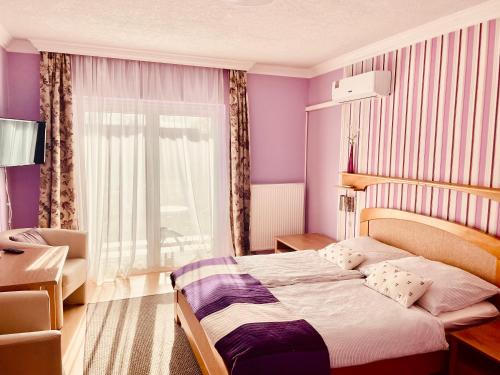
22	142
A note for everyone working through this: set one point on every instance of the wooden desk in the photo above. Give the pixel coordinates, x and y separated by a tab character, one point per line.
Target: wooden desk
297	242
476	350
36	268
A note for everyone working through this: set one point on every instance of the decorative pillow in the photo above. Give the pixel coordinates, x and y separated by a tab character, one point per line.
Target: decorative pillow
328	252
31	236
343	256
373	250
452	288
347	258
402	286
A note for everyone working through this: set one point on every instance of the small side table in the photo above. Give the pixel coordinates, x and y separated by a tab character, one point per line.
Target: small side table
476	350
298	242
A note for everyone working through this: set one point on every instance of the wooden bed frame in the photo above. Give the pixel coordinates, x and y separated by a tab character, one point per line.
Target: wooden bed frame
450	243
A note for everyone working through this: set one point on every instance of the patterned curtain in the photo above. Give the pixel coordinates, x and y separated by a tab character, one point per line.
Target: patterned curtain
57	194
240	162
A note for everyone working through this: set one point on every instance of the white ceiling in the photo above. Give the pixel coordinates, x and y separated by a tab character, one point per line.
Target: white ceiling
293	33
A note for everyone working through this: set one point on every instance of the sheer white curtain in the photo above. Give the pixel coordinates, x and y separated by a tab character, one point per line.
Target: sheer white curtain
152	164
4	201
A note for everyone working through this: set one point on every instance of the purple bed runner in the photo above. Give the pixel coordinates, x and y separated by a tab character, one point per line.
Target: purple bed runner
285	346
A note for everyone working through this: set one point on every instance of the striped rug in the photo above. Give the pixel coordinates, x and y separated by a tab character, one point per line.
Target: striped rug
136	336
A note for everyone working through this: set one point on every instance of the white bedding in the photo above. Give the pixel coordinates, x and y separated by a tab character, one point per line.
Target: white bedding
470	315
306	266
374	251
360	325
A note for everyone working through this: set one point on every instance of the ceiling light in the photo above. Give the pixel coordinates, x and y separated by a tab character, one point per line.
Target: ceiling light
249	2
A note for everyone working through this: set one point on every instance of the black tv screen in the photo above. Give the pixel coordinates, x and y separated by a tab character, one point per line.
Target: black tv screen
21	142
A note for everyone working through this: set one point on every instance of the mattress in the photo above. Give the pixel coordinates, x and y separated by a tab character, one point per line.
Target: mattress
359	325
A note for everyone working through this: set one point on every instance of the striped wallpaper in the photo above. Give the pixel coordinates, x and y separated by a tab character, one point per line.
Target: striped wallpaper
441	123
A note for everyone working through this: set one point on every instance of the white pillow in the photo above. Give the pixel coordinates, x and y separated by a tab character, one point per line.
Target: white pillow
473	314
402	286
373	250
452	288
342	256
328	252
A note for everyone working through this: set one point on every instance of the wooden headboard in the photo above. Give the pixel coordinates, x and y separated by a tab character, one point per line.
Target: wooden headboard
436	239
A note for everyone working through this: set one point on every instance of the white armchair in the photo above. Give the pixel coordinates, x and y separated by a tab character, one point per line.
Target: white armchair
74	276
27	345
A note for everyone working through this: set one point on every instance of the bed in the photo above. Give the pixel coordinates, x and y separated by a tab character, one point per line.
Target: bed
450	243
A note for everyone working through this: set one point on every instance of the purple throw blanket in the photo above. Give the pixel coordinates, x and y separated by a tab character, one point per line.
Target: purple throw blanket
252	331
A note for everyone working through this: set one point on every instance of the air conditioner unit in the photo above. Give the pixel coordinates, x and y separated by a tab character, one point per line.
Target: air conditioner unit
367	85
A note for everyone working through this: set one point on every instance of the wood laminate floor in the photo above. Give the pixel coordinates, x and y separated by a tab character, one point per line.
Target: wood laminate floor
73	332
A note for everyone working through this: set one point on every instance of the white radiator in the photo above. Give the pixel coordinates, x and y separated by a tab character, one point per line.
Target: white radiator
276	209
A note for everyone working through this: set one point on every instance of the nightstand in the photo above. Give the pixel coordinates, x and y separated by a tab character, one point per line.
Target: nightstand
476	350
297	242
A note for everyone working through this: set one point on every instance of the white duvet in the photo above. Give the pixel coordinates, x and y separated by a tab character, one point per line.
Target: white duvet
306	266
360	325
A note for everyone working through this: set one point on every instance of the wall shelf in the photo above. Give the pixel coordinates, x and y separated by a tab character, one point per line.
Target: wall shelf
316	107
359	182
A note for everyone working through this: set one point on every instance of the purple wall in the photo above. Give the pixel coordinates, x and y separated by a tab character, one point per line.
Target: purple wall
277	128
323	157
3	113
24	103
277	117
3	82
277	120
